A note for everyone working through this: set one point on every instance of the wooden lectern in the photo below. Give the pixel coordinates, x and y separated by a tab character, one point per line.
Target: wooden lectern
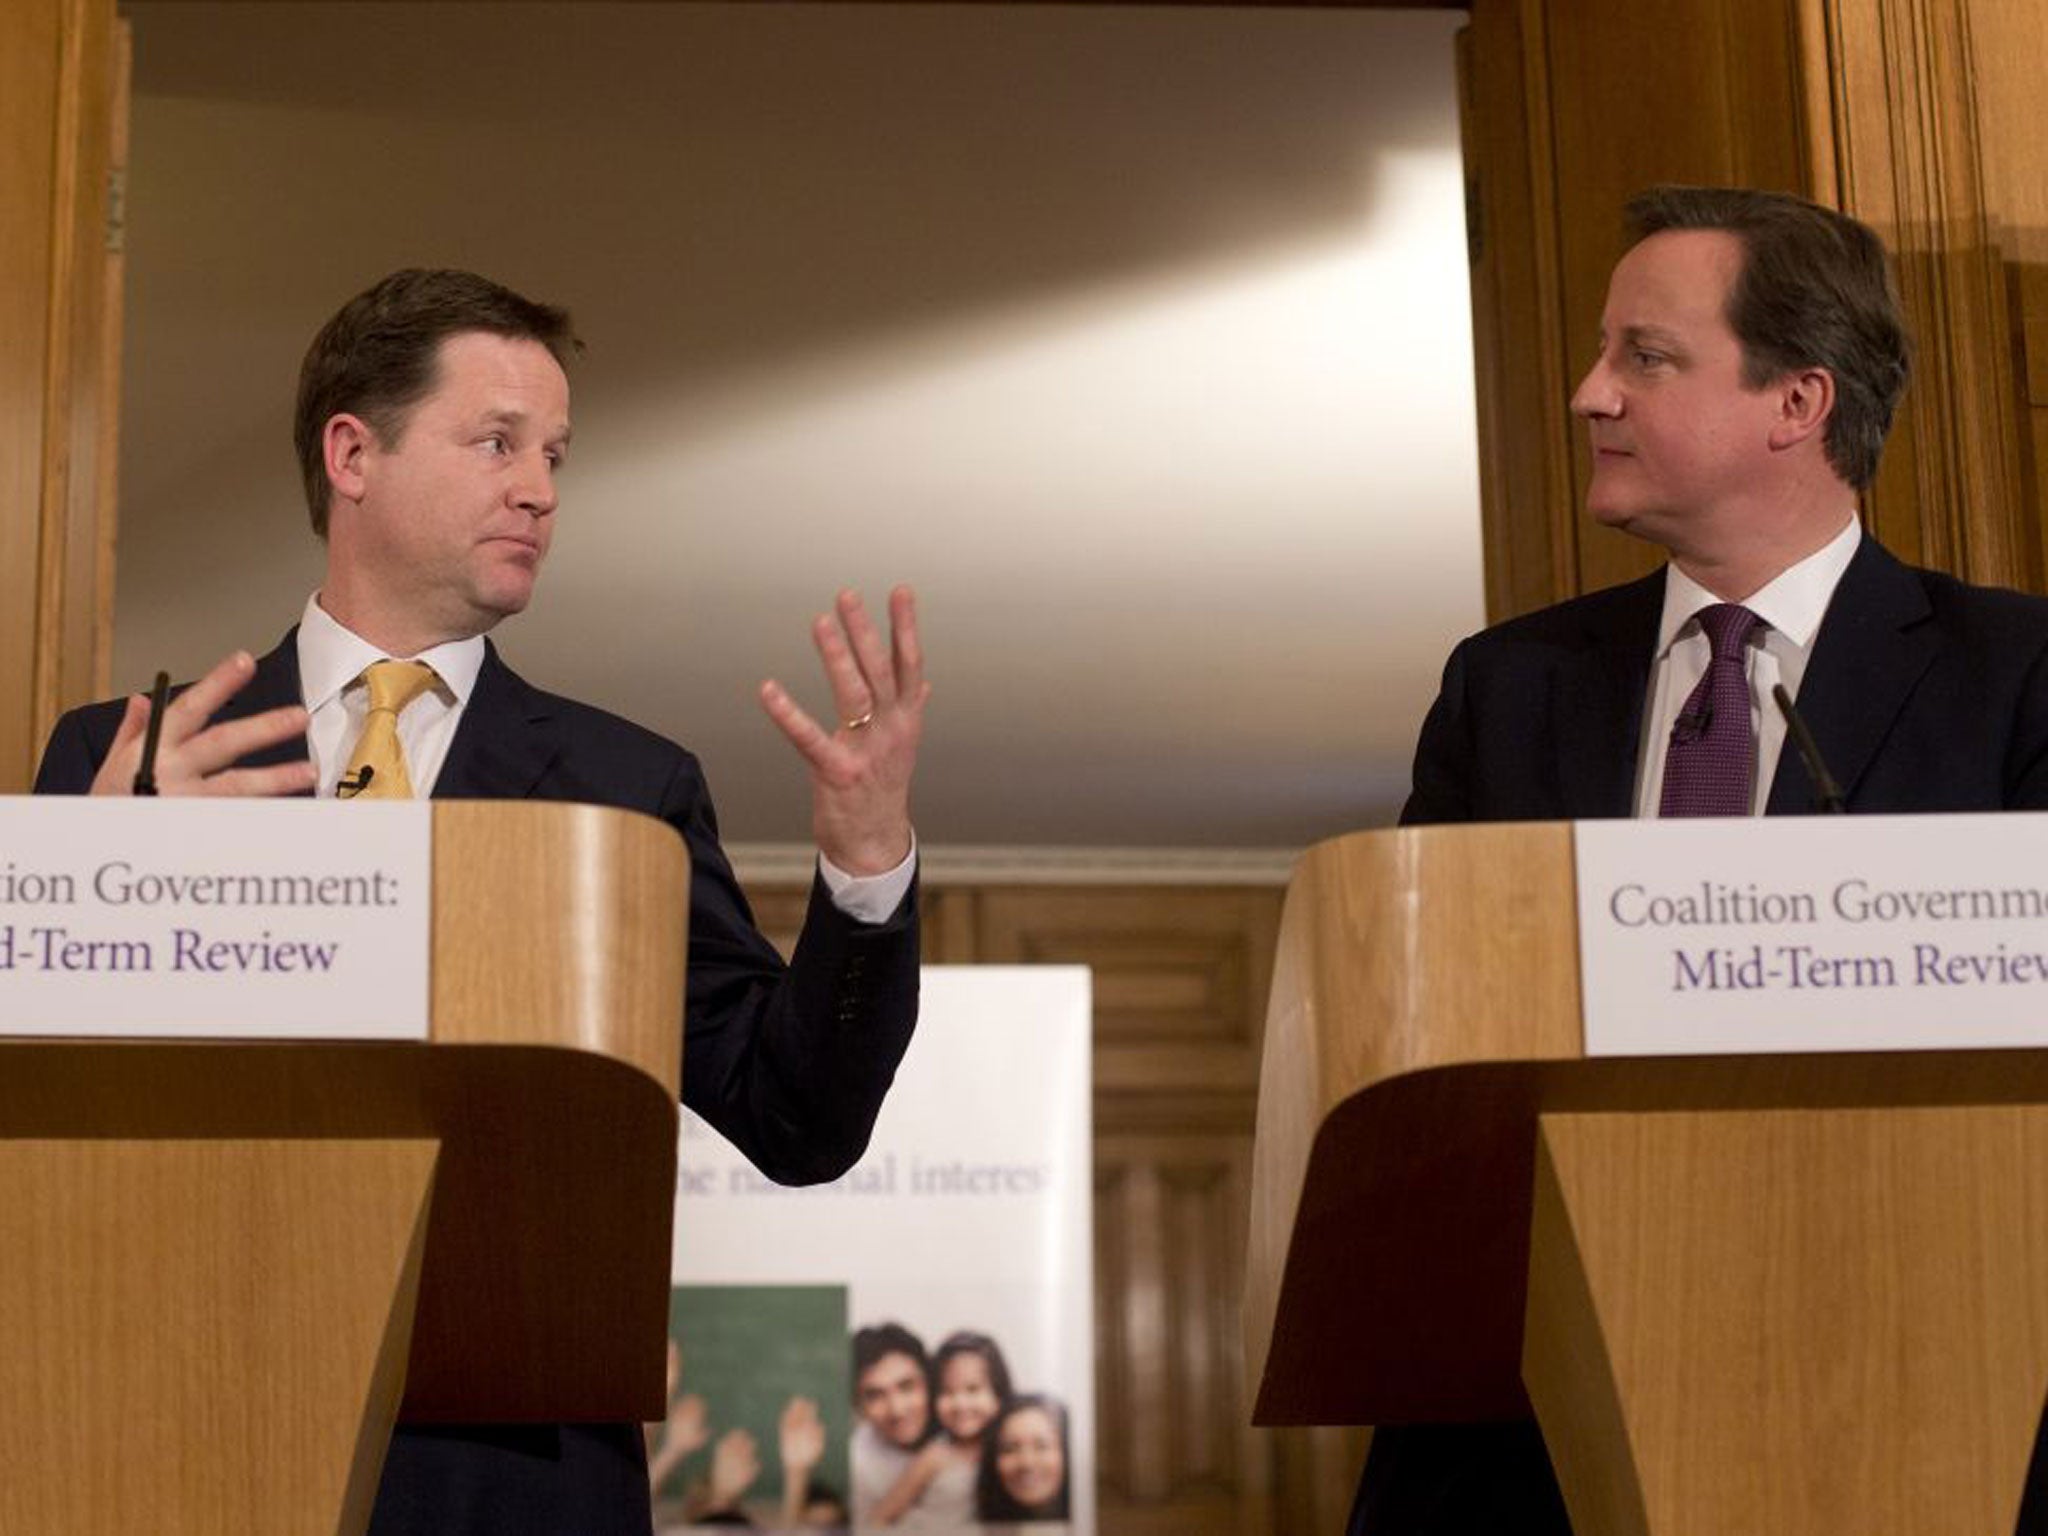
227	1268
1761	1295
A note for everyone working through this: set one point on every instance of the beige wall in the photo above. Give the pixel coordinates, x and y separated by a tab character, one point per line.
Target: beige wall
1139	339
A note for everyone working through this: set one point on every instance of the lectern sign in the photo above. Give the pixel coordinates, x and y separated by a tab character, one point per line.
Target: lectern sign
1841	933
225	919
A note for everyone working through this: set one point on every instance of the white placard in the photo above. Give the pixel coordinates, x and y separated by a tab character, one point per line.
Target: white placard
1823	933
243	919
970	1212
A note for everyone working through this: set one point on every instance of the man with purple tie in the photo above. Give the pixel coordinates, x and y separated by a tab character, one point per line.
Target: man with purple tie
1752	353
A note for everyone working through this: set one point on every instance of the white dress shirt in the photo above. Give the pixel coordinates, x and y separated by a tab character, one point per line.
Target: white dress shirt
331	662
1791	607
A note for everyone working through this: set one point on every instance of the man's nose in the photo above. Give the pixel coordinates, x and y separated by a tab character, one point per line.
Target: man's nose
1596	395
535	491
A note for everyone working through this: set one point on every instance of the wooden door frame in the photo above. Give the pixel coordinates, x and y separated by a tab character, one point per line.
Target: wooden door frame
63	115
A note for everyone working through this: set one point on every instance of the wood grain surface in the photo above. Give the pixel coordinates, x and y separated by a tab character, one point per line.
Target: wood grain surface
1792	1320
1770	1292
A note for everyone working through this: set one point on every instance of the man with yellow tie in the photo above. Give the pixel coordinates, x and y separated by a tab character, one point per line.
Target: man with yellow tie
433	417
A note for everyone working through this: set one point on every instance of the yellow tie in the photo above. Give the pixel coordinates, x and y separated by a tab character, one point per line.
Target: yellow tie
376	768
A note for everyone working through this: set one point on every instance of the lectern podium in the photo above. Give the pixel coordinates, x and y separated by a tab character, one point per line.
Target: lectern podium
227	1268
1762	1294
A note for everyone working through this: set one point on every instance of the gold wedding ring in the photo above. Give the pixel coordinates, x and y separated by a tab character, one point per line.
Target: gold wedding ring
860	722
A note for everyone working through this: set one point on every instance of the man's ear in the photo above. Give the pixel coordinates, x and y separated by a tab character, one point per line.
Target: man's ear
1806	400
346	443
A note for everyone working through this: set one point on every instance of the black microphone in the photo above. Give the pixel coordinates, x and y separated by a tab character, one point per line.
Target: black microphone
1826	791
346	788
145	771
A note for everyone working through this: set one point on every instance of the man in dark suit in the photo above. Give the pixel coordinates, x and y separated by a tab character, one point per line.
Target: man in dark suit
433	416
1752	354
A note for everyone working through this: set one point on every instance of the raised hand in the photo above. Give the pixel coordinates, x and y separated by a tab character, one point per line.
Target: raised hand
801	1436
734	1466
860	772
194	758
686	1428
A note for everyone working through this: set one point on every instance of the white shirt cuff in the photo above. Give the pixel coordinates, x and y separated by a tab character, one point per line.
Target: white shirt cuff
870	898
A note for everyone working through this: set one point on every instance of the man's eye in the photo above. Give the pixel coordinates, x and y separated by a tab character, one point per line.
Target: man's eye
1644	359
495	443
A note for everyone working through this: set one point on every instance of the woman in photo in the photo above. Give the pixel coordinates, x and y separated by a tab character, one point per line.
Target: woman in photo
1024	1462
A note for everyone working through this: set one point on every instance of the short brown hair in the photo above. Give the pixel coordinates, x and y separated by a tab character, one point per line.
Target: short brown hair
380	355
1815	290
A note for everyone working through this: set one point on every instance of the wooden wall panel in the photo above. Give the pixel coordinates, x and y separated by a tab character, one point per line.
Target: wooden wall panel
31	35
79	457
1921	117
2005	42
62	98
1570	110
1176	1452
1530	527
1181	975
1702	91
1912	152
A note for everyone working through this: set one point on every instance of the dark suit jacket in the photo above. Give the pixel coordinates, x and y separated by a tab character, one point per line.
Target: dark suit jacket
1923	694
789	1063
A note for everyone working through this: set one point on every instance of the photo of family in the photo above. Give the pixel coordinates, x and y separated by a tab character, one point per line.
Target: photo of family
775	1412
944	1441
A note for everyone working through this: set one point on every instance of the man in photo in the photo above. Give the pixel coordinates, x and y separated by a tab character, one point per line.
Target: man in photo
892	1394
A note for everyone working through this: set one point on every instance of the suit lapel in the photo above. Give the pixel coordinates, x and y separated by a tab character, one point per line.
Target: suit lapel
506	741
1872	649
1600	704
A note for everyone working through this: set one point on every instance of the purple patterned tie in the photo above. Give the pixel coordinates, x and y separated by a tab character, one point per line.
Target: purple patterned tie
1712	755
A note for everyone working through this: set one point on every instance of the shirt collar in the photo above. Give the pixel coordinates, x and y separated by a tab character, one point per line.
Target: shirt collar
331	656
1792	603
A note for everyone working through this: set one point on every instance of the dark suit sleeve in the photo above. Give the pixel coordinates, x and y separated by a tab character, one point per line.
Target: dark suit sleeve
1442	783
789	1063
2027	766
76	749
